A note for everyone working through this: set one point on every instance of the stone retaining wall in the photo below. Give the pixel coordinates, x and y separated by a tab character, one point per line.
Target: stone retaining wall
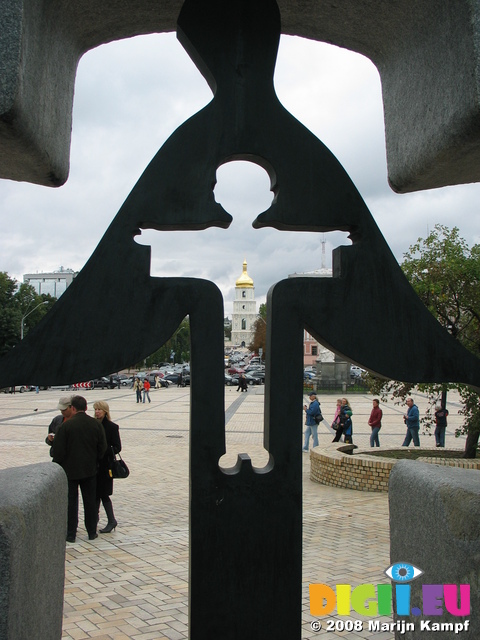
33	523
362	471
435	526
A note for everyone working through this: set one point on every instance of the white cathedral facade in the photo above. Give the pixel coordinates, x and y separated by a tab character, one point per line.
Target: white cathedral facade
244	310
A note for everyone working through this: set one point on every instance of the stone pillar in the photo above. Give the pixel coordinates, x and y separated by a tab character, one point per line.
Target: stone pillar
33	518
435	526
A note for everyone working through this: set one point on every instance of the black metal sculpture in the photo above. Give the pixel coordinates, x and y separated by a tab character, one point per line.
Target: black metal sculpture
245	523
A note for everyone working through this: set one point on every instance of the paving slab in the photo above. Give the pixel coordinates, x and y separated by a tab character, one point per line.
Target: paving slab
133	582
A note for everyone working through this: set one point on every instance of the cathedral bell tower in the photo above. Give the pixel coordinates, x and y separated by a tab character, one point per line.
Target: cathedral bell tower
244	310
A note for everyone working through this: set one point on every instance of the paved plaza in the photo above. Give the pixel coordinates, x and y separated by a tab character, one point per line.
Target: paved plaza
132	584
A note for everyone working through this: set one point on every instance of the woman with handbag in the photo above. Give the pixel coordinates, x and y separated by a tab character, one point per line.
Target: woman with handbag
345	425
104	476
336	417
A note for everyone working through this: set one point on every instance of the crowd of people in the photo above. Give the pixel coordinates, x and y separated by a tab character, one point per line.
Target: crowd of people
342	423
85	447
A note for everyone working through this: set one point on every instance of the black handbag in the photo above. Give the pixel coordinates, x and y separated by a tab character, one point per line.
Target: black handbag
119	468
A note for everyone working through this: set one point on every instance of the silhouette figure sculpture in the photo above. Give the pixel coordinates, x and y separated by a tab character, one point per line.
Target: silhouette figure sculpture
245	523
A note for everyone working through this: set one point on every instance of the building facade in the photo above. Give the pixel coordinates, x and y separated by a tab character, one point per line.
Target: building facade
244	310
313	351
54	283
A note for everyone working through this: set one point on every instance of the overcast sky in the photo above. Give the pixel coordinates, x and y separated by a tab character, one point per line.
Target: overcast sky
131	95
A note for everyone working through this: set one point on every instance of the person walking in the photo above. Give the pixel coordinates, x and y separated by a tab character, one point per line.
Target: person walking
242	383
104	476
345	425
336	417
138	386
78	446
412	420
146	390
375	422
348	423
441	425
311	429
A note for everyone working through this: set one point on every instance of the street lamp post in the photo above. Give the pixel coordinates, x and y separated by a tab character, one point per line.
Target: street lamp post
176	343
27	314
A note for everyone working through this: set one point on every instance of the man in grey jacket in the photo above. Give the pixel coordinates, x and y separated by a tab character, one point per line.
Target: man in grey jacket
78	446
65	408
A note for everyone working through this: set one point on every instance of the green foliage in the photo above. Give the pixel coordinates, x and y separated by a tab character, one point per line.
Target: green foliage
470	410
178	343
445	273
259	339
19	303
10	314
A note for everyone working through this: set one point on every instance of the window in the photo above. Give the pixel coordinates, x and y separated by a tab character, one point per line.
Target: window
244	324
314	350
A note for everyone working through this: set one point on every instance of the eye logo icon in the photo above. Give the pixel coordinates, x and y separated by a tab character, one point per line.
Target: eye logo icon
403	572
377	600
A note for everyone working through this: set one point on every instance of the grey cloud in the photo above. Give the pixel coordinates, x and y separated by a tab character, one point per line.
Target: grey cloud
131	95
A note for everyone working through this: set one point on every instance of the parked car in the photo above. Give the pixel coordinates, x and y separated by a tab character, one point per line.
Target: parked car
250	379
16	389
151	378
173	378
356	372
254	367
104	383
235	371
259	375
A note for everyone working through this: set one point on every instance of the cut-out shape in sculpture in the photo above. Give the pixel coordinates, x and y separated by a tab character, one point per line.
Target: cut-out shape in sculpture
245	523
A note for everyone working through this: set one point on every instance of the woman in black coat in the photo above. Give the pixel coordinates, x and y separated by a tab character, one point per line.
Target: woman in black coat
104	478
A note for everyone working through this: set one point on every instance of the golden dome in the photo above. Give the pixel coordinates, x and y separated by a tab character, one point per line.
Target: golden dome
244	280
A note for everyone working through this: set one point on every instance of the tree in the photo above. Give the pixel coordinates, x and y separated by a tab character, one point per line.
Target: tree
227	329
19	306
179	344
260	331
445	274
33	306
10	314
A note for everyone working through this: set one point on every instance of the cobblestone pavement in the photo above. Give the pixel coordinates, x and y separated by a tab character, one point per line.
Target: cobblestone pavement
133	583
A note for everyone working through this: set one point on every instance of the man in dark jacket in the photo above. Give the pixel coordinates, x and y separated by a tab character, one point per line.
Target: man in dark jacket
311	429
78	446
441	425
412	420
